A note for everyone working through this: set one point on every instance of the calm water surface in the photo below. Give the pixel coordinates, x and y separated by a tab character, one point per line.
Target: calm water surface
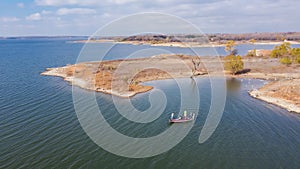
39	127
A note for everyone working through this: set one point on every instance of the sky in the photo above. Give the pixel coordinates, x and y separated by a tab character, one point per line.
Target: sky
84	17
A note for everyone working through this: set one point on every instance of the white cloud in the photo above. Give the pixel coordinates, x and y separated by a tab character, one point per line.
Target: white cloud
66	2
68	11
231	16
45	12
20	5
106	15
120	2
34	17
81	2
9	19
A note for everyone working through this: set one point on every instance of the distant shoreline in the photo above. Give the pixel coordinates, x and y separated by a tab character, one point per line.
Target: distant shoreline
182	44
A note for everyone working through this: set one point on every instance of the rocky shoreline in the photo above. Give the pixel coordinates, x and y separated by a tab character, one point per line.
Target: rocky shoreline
283	93
276	101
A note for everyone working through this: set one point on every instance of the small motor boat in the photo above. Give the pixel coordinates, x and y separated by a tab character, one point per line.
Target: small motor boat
182	119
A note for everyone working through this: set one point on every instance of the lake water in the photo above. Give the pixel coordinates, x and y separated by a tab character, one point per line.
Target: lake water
39	127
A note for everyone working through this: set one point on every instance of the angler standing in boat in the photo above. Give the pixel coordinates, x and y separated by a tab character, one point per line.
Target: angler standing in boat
185	114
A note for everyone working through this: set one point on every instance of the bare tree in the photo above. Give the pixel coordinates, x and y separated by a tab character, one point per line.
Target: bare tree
196	67
196	64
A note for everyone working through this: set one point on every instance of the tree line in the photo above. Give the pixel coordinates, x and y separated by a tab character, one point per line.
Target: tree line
216	37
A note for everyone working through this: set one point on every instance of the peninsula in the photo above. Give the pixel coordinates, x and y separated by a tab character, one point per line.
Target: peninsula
125	77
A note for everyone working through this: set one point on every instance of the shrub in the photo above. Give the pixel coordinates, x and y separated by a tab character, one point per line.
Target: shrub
286	61
233	63
295	54
252	53
281	50
297	59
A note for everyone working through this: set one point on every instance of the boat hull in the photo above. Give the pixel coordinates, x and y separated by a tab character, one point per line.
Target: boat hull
180	120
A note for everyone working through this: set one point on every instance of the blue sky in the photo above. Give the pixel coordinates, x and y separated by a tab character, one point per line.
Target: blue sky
84	17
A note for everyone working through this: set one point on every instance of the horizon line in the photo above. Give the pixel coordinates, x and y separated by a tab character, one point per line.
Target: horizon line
57	36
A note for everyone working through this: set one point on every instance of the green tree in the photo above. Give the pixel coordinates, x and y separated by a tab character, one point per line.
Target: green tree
233	63
281	51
